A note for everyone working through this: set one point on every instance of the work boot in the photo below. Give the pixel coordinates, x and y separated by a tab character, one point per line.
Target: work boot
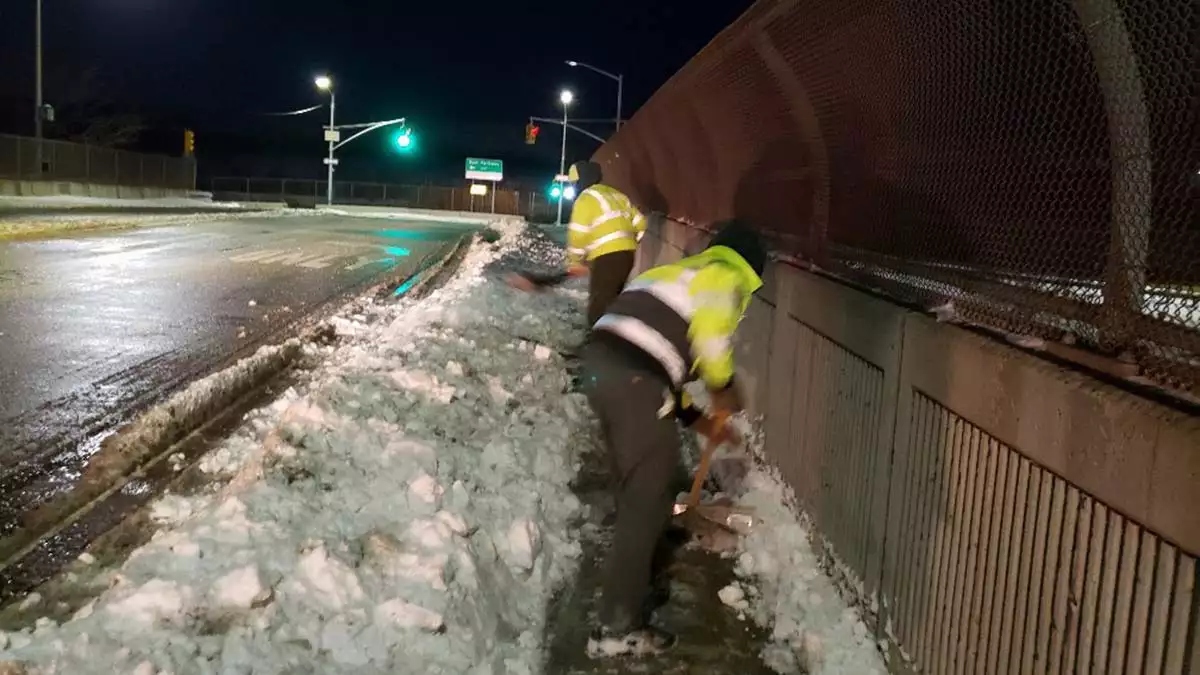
641	642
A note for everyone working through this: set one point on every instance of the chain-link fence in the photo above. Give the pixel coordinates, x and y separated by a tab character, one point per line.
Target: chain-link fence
1035	164
531	204
79	163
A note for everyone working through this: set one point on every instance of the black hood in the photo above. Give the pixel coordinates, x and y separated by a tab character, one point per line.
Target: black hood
589	174
745	241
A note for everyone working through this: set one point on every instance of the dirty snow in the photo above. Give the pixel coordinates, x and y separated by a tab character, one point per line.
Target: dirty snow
812	628
406	510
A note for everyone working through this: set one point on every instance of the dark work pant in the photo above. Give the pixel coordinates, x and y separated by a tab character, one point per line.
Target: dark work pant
643	450
607	278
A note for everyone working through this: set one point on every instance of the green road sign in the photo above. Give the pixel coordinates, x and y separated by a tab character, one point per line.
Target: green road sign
485	169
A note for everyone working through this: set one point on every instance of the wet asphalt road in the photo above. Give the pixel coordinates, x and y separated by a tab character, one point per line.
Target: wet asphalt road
96	327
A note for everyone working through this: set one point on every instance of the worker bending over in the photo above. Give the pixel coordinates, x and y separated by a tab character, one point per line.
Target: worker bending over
671	324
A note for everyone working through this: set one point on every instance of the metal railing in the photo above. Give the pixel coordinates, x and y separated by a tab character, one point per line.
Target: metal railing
1034	165
531	204
75	162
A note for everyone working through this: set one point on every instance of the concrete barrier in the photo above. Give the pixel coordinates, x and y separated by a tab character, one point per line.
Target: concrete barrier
29	188
990	511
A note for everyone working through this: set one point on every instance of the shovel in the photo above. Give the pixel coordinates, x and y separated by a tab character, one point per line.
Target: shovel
698	517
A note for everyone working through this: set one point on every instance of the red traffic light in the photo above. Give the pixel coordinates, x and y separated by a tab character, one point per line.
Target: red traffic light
531	133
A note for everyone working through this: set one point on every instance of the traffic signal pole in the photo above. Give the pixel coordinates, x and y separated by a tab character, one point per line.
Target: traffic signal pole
329	179
562	161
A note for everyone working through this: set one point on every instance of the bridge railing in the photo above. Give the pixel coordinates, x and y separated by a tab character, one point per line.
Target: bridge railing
531	204
1027	167
1035	166
63	161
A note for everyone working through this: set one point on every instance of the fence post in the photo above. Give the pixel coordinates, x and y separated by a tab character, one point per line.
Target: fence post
117	171
87	163
141	169
1124	95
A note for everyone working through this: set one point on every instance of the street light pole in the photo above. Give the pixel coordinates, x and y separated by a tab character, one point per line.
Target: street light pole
37	104
325	83
620	80
620	87
565	97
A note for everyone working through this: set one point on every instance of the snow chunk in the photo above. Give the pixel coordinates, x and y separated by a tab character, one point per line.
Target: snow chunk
541	352
733	596
156	600
239	589
524	542
325	580
425	488
32	600
403	614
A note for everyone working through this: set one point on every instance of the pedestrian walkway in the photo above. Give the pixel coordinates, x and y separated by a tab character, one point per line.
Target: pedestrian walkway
712	636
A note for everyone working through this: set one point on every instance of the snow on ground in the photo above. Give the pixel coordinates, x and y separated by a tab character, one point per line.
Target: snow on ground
395	213
783	588
406	510
66	221
77	201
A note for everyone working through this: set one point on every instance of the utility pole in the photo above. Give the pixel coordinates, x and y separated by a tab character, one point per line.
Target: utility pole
37	104
565	98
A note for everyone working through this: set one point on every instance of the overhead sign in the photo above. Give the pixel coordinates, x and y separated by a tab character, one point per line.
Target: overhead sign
485	169
478	189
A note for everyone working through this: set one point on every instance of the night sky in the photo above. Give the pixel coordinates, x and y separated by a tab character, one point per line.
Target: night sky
466	74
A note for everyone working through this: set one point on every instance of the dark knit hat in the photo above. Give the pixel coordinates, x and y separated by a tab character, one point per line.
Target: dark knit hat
745	241
589	174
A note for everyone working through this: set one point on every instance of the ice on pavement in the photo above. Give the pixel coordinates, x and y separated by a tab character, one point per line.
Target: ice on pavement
813	630
406	510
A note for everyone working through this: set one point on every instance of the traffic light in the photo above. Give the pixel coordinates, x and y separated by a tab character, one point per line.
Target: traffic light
404	140
189	142
531	133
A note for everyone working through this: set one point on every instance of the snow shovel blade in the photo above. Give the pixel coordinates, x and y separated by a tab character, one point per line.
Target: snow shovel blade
737	519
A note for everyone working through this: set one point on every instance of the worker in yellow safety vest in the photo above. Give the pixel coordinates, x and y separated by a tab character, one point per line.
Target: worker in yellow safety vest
602	239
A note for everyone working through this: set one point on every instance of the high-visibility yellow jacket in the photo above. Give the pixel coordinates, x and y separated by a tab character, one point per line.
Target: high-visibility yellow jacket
603	221
684	314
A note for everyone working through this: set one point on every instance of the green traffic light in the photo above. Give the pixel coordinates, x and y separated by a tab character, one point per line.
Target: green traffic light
556	192
405	141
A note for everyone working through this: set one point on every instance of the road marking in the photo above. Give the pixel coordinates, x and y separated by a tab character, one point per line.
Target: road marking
321	258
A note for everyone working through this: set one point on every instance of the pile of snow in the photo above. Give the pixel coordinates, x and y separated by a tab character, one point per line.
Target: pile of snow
392	213
784	589
407	510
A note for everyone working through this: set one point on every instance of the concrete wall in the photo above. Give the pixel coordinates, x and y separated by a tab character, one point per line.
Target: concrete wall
31	188
992	512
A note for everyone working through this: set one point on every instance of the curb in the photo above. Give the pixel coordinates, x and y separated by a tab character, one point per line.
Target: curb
154	434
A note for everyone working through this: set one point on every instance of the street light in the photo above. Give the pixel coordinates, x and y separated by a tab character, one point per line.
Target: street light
325	83
565	98
620	79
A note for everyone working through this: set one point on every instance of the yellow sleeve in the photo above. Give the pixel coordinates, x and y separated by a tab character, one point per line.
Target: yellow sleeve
639	223
718	311
579	230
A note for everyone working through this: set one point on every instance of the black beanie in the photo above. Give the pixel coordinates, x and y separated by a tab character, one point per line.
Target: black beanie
745	241
589	174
